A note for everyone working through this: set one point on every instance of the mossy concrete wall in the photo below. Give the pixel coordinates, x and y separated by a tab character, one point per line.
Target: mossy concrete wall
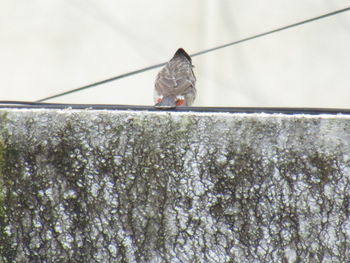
126	186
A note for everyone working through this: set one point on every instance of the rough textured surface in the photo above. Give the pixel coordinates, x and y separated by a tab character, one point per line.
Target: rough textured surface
118	186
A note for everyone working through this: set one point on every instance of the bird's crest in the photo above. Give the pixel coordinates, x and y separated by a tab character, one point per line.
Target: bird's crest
181	52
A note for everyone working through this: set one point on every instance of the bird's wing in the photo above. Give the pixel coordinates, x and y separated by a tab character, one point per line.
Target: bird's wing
175	78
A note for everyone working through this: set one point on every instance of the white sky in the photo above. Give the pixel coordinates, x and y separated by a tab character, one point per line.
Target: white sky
47	47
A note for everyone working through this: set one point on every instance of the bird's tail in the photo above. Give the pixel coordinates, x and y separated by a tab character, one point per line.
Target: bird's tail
168	102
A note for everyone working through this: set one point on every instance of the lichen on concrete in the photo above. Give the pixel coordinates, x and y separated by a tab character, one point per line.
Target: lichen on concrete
126	186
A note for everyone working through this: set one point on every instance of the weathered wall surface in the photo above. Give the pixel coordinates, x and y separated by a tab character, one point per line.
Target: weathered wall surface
118	186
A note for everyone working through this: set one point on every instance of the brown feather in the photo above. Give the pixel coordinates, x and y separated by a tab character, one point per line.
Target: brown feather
177	78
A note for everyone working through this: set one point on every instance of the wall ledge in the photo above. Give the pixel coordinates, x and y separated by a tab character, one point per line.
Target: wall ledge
107	185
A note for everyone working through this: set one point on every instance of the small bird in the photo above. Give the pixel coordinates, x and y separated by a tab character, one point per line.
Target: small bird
175	83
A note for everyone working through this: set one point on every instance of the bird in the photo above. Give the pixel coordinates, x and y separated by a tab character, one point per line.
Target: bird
175	83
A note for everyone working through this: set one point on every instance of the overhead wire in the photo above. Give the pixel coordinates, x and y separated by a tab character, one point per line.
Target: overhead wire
197	53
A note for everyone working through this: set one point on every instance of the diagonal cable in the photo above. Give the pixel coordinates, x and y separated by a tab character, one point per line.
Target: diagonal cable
199	53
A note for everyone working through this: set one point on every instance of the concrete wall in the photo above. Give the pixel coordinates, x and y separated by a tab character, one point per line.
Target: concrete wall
137	186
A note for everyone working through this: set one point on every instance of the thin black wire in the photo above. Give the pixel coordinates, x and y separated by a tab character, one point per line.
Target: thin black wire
269	110
197	54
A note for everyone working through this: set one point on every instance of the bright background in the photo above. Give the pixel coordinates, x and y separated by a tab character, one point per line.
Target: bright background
51	46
